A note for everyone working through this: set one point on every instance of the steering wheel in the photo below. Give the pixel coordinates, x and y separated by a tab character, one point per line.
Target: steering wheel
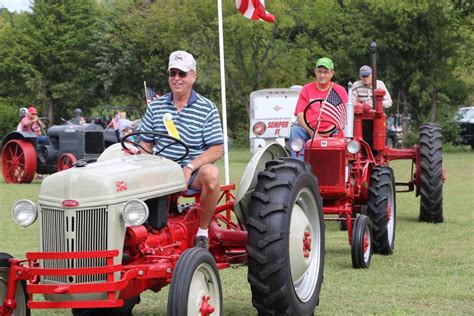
305	117
308	106
45	121
126	140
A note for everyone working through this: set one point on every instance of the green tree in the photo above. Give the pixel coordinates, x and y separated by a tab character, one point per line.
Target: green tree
422	41
51	58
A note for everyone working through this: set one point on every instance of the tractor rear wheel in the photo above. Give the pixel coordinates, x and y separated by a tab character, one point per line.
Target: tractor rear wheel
381	208
20	293
285	244
18	161
431	174
361	244
195	286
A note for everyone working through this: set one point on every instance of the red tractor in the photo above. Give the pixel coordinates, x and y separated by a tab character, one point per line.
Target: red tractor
112	229
357	185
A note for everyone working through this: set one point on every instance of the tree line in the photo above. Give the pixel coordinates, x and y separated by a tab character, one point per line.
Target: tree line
86	54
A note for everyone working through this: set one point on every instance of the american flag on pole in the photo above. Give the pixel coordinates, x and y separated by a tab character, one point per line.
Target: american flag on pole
254	10
333	109
151	95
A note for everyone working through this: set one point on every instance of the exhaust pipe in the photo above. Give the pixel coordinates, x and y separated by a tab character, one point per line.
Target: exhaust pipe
373	55
349	128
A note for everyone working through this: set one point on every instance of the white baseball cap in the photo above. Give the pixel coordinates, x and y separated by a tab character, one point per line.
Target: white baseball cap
182	60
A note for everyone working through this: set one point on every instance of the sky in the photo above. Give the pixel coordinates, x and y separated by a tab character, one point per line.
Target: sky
16	5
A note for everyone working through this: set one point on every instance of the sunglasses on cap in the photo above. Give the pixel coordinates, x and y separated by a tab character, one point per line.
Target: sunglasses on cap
181	74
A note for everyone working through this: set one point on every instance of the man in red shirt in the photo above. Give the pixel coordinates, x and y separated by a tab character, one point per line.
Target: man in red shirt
31	123
318	89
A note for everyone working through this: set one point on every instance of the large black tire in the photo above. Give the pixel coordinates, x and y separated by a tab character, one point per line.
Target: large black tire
21	297
431	174
382	209
285	243
362	242
194	278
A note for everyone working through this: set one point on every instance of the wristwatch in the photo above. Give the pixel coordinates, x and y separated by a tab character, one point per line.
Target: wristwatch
190	166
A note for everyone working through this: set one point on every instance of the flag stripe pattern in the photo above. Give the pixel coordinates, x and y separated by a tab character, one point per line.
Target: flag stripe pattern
254	10
333	109
151	95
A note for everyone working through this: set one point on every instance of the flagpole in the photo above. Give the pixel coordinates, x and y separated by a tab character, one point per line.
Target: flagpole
146	99
224	106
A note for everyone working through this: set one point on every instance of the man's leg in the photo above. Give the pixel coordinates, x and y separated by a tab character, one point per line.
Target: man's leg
298	132
207	180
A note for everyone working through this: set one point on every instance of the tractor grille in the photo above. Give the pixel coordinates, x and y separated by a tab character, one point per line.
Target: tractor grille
80	230
328	166
94	142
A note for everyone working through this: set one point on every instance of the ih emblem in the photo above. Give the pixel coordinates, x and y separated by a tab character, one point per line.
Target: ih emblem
121	186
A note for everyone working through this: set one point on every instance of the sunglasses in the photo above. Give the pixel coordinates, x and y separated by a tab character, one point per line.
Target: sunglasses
181	74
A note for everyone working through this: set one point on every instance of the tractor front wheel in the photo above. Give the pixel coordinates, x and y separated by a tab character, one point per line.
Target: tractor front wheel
20	293
361	244
431	174
195	286
285	244
65	161
381	208
18	161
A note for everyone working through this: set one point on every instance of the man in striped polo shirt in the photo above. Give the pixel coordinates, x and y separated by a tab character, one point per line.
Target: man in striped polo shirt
197	121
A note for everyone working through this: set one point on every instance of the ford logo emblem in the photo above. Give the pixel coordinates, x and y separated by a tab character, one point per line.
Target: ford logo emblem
70	203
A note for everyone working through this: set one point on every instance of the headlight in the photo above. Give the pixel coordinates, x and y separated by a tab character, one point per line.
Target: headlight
135	213
24	212
353	147
297	145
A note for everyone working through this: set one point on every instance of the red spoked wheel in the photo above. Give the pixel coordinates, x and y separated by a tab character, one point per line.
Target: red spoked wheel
65	161
18	161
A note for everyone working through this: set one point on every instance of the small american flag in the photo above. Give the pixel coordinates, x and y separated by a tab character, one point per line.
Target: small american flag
151	95
333	109
254	10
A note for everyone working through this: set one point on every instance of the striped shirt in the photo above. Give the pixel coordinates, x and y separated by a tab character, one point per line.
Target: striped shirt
198	124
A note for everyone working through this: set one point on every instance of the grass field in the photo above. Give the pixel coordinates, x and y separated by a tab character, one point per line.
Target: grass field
430	272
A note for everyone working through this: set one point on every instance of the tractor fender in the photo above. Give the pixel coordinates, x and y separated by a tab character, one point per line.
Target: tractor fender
31	137
248	181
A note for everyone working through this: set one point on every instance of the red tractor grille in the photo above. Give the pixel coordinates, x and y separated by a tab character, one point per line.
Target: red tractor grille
329	167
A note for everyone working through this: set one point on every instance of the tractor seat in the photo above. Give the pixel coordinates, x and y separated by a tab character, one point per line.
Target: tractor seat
191	193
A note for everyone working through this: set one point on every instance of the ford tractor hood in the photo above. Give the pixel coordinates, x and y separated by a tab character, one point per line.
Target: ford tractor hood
112	181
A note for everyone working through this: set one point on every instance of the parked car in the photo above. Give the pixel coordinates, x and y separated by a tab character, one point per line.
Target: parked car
465	119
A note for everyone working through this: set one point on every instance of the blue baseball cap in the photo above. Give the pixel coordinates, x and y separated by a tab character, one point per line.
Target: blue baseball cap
365	71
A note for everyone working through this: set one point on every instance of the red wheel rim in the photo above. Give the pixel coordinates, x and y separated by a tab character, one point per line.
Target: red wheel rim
366	241
18	161
206	308
66	161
